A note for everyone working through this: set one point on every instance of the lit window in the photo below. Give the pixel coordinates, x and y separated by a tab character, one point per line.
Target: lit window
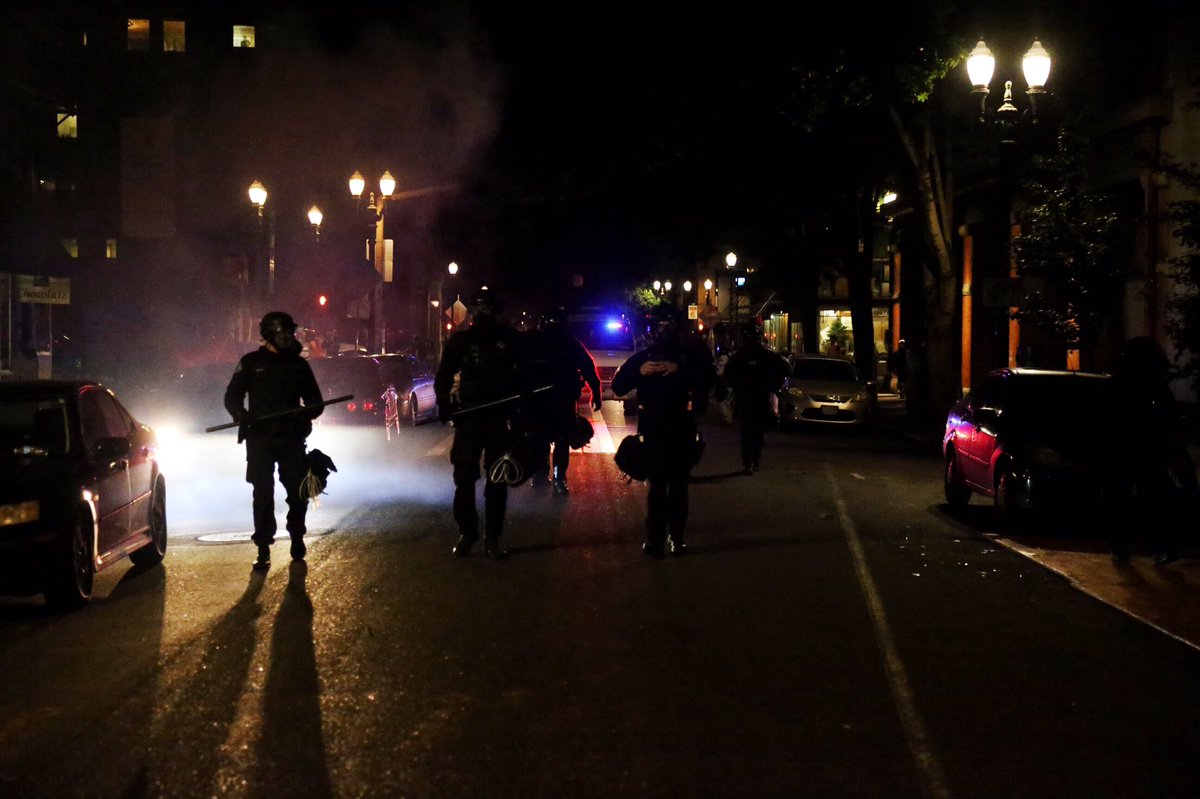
173	36
243	35
71	246
68	125
110	249
139	34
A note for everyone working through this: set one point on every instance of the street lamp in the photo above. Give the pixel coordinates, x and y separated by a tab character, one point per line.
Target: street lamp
258	197
314	217
708	291
1036	66
730	263
657	287
377	247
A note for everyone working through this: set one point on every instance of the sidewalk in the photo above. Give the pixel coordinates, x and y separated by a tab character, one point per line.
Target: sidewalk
1165	597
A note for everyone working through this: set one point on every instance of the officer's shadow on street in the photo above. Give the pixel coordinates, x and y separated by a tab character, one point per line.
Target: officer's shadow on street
291	752
203	711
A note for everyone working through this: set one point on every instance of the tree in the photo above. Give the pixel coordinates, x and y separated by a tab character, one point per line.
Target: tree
887	81
1067	258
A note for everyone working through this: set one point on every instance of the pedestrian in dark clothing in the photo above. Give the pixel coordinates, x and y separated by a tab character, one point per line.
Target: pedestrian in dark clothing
272	380
898	366
1157	478
559	360
672	380
754	374
478	384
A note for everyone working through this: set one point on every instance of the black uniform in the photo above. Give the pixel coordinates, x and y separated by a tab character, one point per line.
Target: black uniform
274	382
557	359
753	373
480	365
672	381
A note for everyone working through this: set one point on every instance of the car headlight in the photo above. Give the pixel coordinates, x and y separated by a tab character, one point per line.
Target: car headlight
860	396
795	392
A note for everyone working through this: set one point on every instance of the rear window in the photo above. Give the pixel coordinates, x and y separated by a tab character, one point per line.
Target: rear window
842	371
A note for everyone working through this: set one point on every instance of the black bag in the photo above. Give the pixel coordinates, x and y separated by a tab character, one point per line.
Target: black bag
632	459
581	433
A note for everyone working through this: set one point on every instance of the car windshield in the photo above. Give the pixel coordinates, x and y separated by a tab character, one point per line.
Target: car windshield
820	369
32	426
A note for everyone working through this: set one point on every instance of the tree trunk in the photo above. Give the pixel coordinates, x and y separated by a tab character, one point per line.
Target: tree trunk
937	383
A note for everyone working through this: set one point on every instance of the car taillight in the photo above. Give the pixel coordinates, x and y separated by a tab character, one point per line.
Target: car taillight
352	406
368	405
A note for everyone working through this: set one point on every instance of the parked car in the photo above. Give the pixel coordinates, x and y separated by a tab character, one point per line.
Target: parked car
1029	439
412	381
388	390
80	488
826	390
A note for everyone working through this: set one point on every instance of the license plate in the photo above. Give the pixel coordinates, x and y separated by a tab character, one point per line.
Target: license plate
829	410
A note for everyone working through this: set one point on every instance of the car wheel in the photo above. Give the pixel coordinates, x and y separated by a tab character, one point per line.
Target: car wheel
1005	505
414	411
74	569
957	492
153	553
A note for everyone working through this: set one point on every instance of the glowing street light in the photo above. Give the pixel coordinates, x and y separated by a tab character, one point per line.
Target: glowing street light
1036	66
376	246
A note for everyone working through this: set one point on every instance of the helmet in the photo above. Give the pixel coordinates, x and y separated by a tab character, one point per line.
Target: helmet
581	433
275	322
486	299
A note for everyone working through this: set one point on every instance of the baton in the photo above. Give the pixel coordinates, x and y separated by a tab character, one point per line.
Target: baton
333	401
493	403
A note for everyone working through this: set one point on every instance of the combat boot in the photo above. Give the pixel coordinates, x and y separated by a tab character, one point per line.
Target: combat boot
463	547
492	548
560	483
263	561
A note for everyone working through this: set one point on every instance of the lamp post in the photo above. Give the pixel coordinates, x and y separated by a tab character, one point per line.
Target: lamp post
376	249
258	197
730	263
436	304
314	218
1011	122
1036	66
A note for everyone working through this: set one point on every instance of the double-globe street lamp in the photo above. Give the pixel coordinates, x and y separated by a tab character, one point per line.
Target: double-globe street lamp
981	64
378	251
1008	119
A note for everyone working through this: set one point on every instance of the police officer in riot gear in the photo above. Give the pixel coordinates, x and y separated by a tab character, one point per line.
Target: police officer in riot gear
478	383
753	373
673	378
274	379
559	360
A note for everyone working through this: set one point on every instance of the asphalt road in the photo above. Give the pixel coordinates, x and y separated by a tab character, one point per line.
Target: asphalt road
834	633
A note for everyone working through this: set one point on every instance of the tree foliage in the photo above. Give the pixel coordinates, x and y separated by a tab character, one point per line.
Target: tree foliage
1067	255
1183	215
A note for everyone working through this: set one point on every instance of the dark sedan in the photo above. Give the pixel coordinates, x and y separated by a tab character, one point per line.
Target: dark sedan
1029	439
80	488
